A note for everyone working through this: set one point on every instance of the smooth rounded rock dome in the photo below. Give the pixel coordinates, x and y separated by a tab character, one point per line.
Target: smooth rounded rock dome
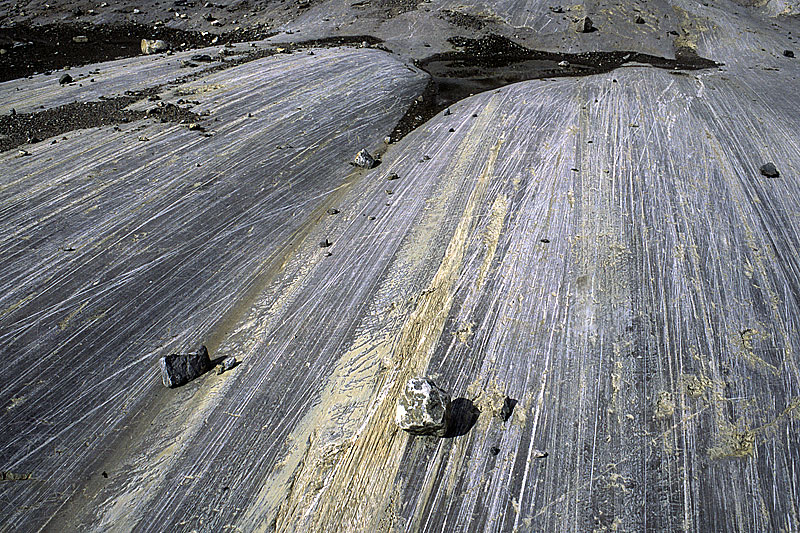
423	408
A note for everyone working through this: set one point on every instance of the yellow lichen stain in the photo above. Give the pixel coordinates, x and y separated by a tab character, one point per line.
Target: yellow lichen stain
64	324
487	397
464	332
351	432
733	443
691	26
665	406
745	341
16	402
13	307
694	386
491	236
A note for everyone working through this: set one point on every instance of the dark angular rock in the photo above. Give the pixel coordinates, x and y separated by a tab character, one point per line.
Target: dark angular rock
204	58
179	369
325	243
788	53
332	211
769	170
507	409
639	19
423	408
494	450
585	25
64	79
392	176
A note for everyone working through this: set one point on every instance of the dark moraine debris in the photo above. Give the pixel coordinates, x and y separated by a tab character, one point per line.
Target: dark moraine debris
64	79
494	61
179	369
769	170
423	408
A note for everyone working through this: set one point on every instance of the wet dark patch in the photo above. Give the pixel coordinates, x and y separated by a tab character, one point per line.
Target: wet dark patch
35	49
22	128
495	61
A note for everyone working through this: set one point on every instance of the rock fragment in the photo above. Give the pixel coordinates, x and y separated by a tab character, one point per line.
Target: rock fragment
639	19
423	408
788	53
563	64
80	39
507	409
584	25
227	364
364	159
64	79
769	170
325	244
179	369
154	46
203	58
332	211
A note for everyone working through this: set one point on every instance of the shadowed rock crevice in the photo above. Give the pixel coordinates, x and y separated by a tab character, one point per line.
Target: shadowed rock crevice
463	415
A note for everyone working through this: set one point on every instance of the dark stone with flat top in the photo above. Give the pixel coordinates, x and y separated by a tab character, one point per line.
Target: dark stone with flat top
180	368
769	170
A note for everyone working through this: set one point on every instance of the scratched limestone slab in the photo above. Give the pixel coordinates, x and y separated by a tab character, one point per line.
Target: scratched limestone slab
602	250
122	245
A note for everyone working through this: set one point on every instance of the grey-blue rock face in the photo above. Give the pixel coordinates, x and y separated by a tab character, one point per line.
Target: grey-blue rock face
423	408
179	369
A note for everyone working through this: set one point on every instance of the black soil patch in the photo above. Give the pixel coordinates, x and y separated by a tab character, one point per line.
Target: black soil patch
34	49
22	128
495	61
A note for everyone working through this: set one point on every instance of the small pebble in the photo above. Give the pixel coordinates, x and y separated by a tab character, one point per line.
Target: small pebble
769	170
